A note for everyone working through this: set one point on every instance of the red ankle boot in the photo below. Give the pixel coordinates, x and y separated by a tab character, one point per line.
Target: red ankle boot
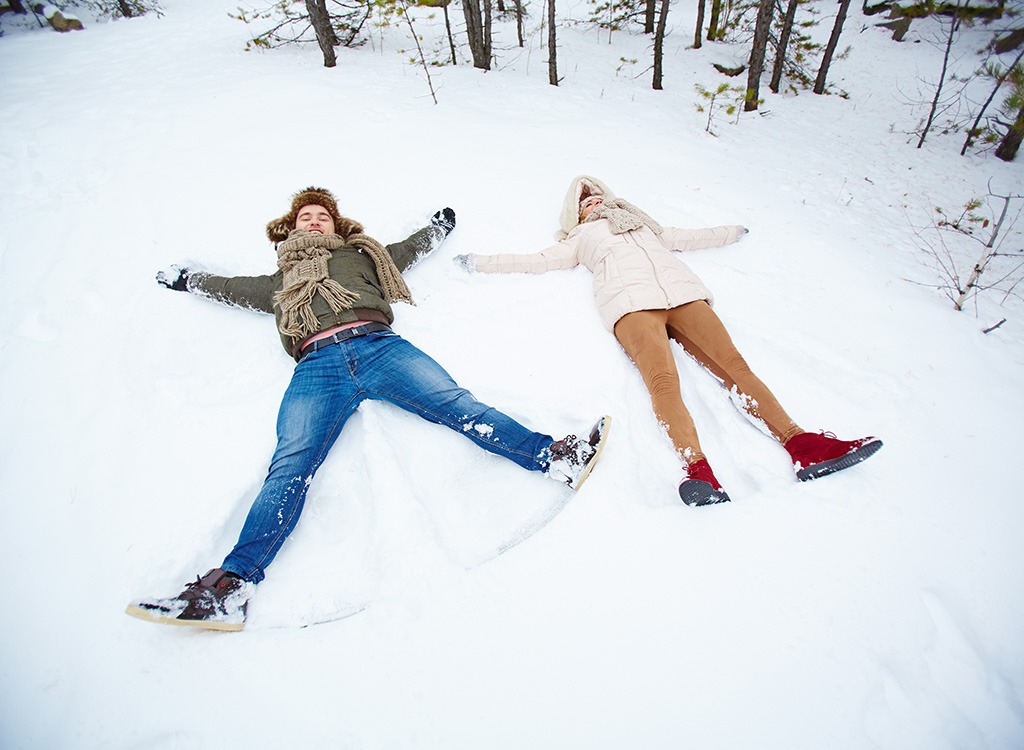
817	454
700	486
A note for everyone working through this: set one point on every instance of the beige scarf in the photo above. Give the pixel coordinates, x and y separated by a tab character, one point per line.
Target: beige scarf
303	258
622	216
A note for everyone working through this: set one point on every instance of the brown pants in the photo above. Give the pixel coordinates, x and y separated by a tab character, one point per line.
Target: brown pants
645	337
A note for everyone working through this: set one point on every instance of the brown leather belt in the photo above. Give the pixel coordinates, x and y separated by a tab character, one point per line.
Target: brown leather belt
344	335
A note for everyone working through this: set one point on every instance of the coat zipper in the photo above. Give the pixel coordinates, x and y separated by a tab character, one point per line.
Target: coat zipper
654	268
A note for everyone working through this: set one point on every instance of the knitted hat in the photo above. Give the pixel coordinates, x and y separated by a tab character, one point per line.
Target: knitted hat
278	229
580	188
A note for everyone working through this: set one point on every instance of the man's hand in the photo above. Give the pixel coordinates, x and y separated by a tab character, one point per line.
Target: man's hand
175	278
445	220
465	262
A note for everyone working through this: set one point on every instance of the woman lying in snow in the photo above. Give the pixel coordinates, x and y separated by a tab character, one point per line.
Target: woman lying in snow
647	296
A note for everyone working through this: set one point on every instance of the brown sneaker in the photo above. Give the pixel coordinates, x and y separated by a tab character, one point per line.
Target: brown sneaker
217	601
573	459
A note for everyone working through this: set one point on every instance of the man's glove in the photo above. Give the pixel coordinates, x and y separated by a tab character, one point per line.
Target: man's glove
465	262
445	220
175	278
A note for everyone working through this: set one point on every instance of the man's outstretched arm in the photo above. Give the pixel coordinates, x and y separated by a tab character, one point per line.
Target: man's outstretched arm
249	292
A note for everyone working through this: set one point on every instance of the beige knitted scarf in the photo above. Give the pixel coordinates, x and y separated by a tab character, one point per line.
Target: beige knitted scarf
303	258
622	216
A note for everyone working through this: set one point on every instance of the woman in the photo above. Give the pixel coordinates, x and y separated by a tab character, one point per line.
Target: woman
647	297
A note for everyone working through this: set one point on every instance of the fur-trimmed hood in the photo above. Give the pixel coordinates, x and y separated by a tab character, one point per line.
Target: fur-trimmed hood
278	229
580	188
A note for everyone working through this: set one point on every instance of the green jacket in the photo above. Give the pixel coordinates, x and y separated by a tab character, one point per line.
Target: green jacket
349	266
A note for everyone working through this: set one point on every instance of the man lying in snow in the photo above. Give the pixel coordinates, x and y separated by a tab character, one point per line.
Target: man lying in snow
331	299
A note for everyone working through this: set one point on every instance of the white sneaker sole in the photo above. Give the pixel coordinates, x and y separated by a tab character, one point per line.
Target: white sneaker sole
150	616
605	428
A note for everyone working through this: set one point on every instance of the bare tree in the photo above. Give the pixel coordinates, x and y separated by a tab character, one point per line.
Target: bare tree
951	257
780	50
552	48
954	24
700	24
830	48
973	131
403	11
294	21
716	11
1014	104
988	253
659	45
519	22
448	30
478	29
321	23
765	10
650	10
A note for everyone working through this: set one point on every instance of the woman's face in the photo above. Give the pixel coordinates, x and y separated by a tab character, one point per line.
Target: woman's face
589	204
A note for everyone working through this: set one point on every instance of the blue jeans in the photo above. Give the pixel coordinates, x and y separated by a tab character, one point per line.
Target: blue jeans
326	388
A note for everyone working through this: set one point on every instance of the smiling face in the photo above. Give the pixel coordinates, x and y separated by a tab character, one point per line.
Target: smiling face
314	218
589	204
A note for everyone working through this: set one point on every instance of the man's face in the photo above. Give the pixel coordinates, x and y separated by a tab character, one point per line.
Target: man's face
314	219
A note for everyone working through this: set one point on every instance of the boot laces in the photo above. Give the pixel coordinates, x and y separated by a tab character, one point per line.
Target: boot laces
566	448
195	589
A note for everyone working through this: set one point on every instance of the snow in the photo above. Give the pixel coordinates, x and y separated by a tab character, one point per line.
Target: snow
877	608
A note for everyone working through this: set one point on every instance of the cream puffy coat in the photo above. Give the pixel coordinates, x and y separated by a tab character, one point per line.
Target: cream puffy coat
634	270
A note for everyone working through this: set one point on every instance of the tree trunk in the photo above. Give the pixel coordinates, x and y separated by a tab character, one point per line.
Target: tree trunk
321	23
973	132
471	10
519	22
780	53
552	48
126	10
716	11
765	9
487	32
700	24
478	29
830	48
1007	148
988	253
659	44
953	24
448	28
1009	42
650	6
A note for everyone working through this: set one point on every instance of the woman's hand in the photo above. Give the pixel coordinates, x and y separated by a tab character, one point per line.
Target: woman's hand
465	262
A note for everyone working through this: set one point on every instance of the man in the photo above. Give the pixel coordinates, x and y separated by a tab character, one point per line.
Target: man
331	299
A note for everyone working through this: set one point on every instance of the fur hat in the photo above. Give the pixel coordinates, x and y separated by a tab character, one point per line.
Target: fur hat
580	188
278	229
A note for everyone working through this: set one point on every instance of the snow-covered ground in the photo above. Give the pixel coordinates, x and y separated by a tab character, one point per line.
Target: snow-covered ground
880	607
